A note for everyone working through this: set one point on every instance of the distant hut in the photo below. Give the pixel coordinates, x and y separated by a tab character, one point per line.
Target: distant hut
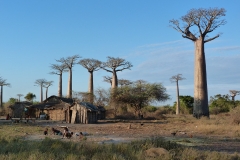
84	112
21	110
101	112
54	108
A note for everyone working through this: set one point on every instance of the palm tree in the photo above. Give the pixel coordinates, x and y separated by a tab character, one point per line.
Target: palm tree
91	65
3	83
30	97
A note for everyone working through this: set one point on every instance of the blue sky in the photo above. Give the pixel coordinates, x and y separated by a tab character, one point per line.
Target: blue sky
33	34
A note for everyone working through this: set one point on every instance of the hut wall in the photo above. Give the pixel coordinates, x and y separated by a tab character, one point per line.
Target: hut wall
57	115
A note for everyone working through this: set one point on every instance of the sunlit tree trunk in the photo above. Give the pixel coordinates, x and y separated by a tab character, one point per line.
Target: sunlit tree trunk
114	79
90	87
41	98
69	92
200	81
60	86
178	102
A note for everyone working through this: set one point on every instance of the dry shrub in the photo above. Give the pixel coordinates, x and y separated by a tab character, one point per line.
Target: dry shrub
127	115
235	115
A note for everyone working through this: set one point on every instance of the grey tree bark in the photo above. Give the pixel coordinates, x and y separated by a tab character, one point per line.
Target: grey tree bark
91	65
69	62
206	21
3	82
59	70
177	78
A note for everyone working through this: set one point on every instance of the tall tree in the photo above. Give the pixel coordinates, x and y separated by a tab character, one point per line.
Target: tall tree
69	62
41	82
30	96
3	82
19	96
58	70
233	94
46	85
205	21
91	65
177	78
115	65
107	79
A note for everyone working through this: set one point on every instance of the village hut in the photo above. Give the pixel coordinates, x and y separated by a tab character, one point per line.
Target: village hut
84	112
21	110
54	108
101	112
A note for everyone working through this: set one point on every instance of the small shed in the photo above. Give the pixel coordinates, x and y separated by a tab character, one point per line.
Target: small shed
84	112
101	112
20	110
54	108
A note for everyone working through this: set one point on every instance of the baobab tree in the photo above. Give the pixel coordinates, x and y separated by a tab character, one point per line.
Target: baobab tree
91	65
59	70
115	65
107	79
46	85
177	78
69	62
19	96
234	93
205	21
3	82
41	82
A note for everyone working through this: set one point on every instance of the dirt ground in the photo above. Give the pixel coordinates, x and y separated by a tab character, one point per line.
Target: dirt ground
117	131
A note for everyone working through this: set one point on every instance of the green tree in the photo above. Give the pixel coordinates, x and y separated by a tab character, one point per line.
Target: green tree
205	21
221	103
30	96
12	100
140	94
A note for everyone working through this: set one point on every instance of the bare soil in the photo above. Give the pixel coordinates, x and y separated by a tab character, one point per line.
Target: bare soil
119	131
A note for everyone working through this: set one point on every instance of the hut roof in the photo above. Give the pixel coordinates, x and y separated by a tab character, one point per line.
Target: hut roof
17	104
89	106
54	102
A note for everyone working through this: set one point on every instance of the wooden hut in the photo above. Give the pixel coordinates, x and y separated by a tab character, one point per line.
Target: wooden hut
84	112
101	112
21	110
54	108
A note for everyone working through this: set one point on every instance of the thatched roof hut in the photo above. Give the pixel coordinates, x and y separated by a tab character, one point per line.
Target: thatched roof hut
54	108
20	109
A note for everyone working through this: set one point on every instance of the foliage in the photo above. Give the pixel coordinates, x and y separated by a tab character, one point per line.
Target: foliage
140	94
12	100
30	96
221	103
150	108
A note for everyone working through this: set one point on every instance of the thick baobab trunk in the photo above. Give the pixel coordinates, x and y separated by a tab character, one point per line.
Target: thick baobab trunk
178	103
200	81
46	93
69	92
90	87
1	97
60	86
41	98
114	79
